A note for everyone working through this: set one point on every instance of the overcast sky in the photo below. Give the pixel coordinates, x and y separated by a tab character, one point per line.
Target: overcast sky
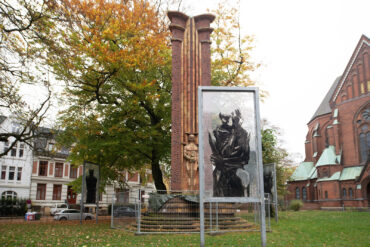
304	46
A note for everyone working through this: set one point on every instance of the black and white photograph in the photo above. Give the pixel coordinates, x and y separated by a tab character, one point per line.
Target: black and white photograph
230	145
91	183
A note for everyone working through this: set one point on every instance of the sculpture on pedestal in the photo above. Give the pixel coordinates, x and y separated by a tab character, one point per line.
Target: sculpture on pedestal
191	161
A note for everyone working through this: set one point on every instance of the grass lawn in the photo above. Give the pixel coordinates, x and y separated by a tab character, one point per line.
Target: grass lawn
306	228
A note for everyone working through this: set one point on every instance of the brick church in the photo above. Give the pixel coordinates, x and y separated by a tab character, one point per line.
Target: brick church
336	171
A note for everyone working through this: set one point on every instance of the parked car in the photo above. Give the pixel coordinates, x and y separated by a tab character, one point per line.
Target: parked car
72	214
57	207
124	211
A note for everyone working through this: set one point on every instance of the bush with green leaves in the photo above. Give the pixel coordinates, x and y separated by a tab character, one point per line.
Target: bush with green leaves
296	205
12	207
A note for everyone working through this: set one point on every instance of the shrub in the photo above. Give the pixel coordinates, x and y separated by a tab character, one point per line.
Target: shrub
12	207
296	205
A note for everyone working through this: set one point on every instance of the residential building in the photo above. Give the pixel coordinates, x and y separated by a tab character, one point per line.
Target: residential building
15	177
52	174
336	171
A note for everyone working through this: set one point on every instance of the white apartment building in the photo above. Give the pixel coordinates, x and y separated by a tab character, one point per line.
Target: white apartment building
15	177
43	174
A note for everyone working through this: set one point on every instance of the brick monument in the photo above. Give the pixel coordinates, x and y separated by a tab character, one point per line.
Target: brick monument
191	67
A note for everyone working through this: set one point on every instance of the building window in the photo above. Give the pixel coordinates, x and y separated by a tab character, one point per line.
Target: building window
43	168
59	170
6	146
3	172
350	192
326	194
57	192
73	172
16	127
363	133
41	191
9	195
11	172
304	193
19	173
344	193
297	194
13	151
21	150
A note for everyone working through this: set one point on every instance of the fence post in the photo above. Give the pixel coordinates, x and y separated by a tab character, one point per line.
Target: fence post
210	217
139	213
217	216
111	213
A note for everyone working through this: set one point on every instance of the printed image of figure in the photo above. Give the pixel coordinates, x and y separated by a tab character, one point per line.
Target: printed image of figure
91	187
230	153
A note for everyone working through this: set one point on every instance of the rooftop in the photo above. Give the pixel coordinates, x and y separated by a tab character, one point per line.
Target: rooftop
328	157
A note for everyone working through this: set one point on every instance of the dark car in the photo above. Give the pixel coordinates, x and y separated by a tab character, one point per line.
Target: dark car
124	211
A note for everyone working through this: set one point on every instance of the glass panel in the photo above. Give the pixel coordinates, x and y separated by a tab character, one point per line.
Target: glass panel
13	152
59	170
11	172
19	174
41	190
43	168
230	148
3	172
57	192
363	147
297	193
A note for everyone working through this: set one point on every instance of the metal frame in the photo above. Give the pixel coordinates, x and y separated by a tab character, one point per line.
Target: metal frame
274	193
202	197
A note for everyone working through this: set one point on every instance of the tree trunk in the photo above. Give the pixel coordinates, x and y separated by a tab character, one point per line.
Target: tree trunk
157	174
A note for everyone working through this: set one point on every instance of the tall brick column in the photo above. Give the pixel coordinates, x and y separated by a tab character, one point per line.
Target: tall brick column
191	67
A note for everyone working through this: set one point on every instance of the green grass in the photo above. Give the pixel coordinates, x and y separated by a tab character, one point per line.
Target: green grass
305	228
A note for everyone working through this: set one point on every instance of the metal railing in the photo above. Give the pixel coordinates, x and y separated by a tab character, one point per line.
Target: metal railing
178	212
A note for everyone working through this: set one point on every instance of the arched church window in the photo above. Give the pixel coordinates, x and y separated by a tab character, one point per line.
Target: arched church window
344	193
326	194
363	131
304	193
297	193
350	192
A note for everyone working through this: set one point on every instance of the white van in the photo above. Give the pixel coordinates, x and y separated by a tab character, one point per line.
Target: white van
57	207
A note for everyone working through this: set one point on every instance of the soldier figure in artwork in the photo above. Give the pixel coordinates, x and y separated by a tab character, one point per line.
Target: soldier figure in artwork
230	152
191	163
91	187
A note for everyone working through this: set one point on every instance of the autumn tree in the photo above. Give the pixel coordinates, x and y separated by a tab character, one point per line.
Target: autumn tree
21	69
231	59
115	60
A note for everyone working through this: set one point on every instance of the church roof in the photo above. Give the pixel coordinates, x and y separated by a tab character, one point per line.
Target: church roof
313	173
328	157
334	177
351	172
324	107
364	40
303	171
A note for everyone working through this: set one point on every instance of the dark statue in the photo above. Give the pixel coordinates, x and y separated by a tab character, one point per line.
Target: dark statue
230	153
91	187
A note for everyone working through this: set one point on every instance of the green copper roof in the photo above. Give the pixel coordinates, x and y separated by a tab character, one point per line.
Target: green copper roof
334	177
313	173
303	171
328	157
351	172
